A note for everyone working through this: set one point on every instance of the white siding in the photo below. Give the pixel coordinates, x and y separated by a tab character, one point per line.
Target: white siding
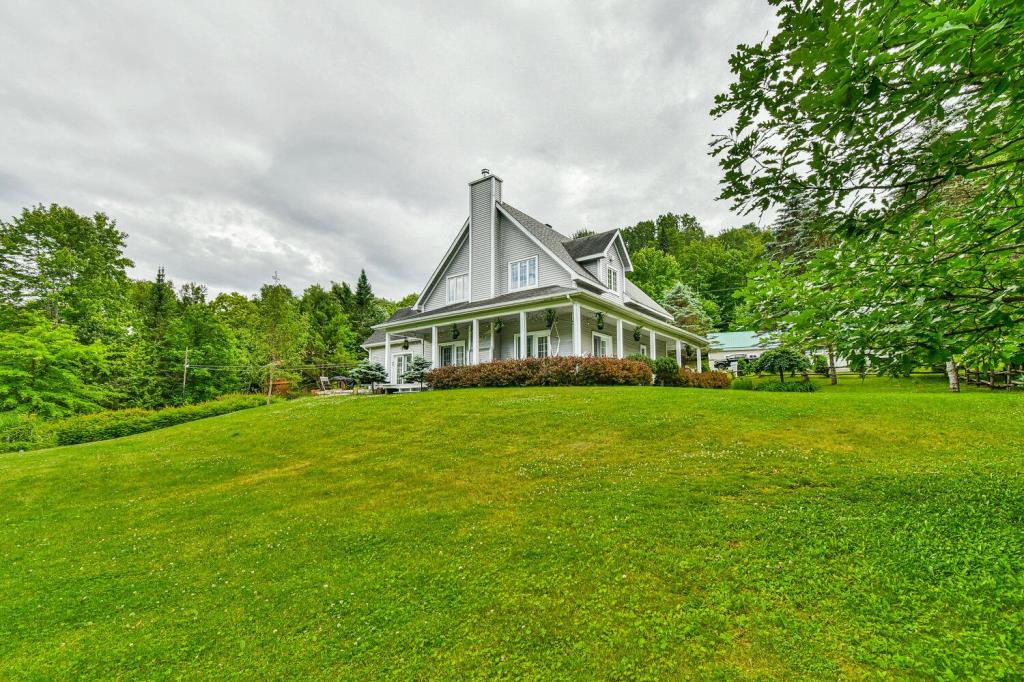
514	245
482	196
457	266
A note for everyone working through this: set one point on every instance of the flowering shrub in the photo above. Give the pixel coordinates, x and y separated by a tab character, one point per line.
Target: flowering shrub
552	371
713	379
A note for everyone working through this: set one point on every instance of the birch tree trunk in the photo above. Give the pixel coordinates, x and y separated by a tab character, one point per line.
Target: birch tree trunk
954	375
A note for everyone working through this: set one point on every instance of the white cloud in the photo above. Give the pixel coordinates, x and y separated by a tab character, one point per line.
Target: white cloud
235	140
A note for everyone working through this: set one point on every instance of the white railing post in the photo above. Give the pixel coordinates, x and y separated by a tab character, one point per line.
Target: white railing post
522	335
434	360
476	341
700	363
619	351
577	331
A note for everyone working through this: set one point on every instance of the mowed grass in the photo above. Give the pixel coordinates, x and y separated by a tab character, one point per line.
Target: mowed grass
540	533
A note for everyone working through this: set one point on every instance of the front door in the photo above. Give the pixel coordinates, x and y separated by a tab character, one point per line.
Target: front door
401	366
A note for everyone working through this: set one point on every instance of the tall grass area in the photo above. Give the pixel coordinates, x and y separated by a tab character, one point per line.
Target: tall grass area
541	533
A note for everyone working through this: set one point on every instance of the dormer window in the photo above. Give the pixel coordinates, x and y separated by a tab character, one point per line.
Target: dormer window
522	274
613	279
458	288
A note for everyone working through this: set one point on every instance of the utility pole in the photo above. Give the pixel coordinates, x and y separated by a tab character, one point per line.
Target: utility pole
184	375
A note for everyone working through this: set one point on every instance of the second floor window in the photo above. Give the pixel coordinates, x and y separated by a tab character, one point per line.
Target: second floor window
613	279
458	288
522	274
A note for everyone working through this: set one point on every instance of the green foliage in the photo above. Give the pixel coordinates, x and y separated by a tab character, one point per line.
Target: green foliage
45	370
371	373
117	423
418	368
897	124
330	334
654	271
68	267
688	309
666	372
780	361
581	233
820	365
742	384
787	387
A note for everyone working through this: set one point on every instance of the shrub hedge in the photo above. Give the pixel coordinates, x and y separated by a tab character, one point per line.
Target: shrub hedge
787	387
666	372
742	384
712	379
551	371
116	423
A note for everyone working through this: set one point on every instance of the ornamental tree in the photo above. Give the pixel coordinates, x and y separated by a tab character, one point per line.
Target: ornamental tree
781	360
418	368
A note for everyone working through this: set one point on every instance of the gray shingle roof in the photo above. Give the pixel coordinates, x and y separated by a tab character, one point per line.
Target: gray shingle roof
409	314
589	245
550	238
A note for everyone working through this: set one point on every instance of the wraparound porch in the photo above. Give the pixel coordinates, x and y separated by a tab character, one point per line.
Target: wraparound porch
566	327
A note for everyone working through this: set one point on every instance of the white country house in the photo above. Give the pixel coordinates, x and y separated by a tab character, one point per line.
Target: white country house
510	286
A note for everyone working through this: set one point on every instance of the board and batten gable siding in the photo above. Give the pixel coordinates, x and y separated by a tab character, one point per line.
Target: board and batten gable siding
514	245
458	265
482	196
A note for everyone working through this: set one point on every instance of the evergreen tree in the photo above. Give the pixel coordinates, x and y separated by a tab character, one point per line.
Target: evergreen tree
330	333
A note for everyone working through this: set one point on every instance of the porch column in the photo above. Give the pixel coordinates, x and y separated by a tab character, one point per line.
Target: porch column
434	360
522	335
654	346
577	332
618	339
387	356
492	358
679	352
476	341
700	363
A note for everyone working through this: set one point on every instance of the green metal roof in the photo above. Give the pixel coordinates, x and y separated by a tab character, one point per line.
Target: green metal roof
740	340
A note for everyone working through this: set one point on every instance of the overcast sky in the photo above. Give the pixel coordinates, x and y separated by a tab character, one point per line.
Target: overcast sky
233	140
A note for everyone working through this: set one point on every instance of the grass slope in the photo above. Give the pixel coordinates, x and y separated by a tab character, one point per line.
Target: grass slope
545	533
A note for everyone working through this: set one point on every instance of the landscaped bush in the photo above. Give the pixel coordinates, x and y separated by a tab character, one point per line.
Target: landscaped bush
666	372
640	357
742	384
787	387
116	423
552	371
712	379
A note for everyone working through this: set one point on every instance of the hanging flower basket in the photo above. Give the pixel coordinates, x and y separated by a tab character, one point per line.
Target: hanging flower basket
600	320
638	332
498	326
550	317
455	331
405	344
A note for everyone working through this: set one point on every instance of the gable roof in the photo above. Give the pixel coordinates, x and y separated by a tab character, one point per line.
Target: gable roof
740	340
552	240
591	245
463	233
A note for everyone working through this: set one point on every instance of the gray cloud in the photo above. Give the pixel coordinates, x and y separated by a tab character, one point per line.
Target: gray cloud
231	141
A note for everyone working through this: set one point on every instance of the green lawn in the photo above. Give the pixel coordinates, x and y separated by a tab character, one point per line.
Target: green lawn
547	533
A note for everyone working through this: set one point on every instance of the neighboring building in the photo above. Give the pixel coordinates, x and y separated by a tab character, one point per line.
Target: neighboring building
511	286
727	348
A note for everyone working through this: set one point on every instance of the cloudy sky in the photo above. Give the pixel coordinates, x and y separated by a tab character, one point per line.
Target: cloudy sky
233	140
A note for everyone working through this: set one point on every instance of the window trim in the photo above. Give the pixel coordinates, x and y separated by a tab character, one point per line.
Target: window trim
546	333
536	271
447	289
608	341
453	345
612	271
